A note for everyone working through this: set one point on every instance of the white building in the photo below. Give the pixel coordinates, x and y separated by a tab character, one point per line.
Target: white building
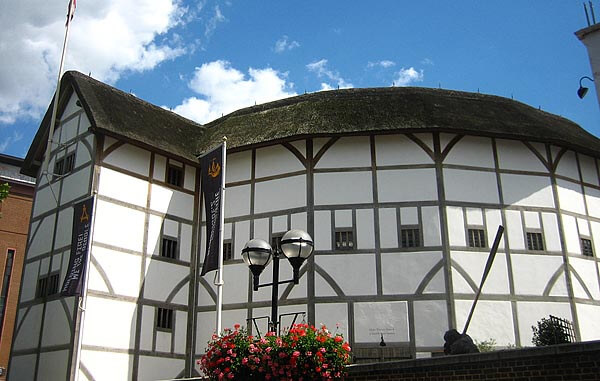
402	190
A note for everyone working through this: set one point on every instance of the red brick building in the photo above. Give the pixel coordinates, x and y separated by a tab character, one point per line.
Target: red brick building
14	224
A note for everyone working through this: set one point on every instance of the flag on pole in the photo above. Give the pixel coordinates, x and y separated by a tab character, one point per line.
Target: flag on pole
211	166
71	11
80	247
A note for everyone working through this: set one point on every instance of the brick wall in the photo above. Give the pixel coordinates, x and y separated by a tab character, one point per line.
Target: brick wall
578	361
14	225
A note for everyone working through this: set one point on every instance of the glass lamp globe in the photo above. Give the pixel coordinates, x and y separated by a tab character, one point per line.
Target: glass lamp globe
296	244
257	254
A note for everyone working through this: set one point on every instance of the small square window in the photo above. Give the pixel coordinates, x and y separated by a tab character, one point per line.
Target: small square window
69	163
410	237
58	168
227	251
42	286
52	284
47	286
164	319
175	175
168	248
586	247
476	238
64	165
344	240
535	241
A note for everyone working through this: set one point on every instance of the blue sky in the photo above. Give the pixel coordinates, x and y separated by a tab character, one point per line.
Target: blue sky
207	58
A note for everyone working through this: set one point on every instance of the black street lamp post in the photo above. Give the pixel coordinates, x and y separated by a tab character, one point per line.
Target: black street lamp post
296	245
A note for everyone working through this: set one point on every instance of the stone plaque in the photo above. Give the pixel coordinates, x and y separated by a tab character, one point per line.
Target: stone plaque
371	320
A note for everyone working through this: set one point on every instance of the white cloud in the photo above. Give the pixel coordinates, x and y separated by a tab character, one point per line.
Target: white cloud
384	64
107	38
212	23
320	68
284	44
7	141
224	89
427	61
406	76
325	86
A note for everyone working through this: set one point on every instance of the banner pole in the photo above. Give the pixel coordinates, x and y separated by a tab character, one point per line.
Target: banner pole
70	12
486	271
82	299
219	282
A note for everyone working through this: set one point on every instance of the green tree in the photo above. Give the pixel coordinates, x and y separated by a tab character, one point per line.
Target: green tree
4	188
548	332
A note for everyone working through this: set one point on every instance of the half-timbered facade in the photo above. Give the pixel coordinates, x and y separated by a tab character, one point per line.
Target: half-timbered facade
402	190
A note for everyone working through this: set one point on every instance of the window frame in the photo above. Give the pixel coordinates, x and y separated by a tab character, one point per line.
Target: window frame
6	278
583	247
164	319
44	283
351	242
481	237
180	169
418	239
161	252
227	243
533	238
61	169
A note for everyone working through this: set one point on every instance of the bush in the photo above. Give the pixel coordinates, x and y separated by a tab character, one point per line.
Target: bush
549	332
486	345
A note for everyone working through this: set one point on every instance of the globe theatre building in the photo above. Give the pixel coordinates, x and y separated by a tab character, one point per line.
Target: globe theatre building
402	190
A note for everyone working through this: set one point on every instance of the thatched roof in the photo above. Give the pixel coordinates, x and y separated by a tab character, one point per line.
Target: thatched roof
327	113
116	113
395	109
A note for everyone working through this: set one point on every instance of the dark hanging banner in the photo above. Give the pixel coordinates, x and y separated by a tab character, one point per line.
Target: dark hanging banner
80	246
211	165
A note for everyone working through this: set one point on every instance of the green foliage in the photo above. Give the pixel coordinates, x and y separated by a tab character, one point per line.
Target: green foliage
486	345
548	332
4	188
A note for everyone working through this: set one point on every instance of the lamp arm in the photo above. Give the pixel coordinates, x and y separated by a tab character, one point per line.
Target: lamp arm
584	77
271	284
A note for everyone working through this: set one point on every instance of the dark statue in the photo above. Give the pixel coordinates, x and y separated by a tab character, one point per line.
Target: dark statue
458	344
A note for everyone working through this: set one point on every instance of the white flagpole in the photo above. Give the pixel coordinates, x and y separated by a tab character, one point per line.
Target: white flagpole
71	11
219	282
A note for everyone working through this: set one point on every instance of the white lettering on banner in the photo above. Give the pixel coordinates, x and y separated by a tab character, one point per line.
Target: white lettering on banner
214	214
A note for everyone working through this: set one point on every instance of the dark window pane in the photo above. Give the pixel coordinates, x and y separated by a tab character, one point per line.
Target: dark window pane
175	175
535	241
227	251
344	240
52	284
169	248
164	318
586	247
69	163
410	237
476	238
58	168
5	285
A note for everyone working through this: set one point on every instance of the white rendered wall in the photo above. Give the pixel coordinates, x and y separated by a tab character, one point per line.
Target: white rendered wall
48	253
135	209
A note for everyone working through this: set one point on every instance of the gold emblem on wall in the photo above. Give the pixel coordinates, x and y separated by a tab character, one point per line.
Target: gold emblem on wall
214	168
84	215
